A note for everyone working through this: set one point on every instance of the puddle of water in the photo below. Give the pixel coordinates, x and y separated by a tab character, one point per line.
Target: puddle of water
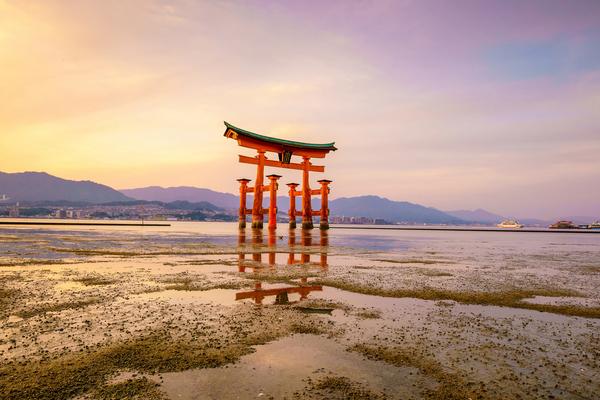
224	297
386	304
277	293
278	369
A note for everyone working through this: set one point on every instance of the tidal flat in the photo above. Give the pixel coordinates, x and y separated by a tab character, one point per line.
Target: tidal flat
204	311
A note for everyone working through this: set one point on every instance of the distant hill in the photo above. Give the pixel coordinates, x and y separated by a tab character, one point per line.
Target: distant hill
393	211
479	215
40	186
183	193
363	206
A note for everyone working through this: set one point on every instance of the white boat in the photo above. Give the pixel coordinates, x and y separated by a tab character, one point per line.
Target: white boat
595	225
510	223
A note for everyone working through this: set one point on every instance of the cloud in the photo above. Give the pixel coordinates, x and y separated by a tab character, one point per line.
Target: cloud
422	98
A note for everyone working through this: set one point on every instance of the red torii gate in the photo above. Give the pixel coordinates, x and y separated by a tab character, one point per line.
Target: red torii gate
285	149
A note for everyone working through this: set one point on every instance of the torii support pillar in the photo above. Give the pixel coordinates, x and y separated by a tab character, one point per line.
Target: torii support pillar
324	203
257	209
292	212
243	191
273	200
307	222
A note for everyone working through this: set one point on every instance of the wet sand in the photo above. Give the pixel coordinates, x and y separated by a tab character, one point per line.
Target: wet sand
199	311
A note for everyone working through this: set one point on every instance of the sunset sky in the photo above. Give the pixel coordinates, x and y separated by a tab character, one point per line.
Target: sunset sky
450	104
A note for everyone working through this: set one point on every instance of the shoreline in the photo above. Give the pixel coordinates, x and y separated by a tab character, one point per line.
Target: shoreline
474	229
80	223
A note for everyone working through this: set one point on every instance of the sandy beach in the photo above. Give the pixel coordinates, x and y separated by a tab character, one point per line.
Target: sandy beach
202	311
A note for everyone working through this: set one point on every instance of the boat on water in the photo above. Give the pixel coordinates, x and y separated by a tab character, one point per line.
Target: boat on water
595	225
510	223
563	225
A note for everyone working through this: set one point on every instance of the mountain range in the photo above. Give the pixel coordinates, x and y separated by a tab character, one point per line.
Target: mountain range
40	186
35	187
183	193
477	216
364	206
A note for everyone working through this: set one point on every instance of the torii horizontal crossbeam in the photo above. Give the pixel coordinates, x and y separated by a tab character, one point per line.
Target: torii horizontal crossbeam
278	164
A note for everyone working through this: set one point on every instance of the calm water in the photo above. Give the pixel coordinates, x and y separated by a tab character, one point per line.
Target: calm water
385	238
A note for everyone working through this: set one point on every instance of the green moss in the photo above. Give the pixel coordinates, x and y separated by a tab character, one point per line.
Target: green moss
508	298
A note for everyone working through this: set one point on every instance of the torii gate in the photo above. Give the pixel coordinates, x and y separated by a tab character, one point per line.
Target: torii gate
285	149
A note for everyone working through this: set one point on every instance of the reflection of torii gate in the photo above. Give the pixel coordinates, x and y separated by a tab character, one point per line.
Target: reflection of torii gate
305	253
285	149
258	294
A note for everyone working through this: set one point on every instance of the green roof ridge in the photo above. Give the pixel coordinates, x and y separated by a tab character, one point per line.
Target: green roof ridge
322	146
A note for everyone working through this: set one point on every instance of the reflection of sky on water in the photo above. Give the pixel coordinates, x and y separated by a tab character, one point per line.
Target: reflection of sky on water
30	242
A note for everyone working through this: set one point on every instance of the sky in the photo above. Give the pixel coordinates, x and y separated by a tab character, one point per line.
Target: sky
450	104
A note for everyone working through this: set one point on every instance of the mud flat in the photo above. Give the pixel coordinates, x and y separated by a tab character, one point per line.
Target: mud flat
202	312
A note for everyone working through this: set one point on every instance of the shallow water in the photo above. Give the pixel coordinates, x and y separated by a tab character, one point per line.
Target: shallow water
73	287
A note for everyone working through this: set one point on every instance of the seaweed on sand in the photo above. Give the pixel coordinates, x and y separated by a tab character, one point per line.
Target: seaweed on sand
508	298
450	386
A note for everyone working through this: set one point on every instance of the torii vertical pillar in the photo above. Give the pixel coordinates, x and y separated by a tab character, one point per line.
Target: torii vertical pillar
257	209
324	203
243	191
292	211
273	186
307	222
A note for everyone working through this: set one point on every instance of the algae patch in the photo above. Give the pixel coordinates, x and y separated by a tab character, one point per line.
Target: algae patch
334	387
508	298
450	386
95	280
79	373
139	389
44	308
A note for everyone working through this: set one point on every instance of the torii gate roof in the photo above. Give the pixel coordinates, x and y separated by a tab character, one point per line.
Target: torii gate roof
233	132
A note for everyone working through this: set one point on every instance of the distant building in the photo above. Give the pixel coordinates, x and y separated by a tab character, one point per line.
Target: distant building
60	213
357	220
13	212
